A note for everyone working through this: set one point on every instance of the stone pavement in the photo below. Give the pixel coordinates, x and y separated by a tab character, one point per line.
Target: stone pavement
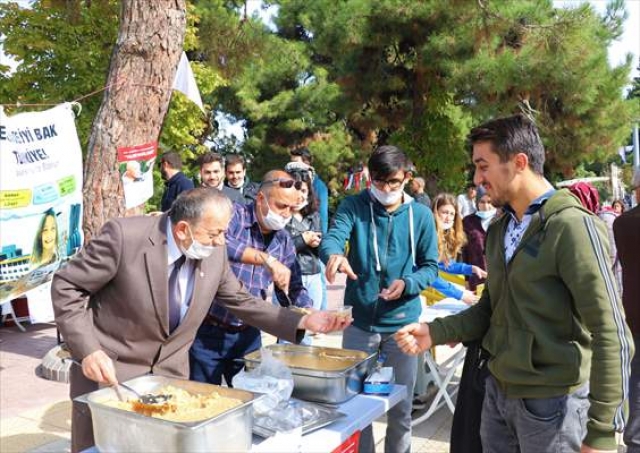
35	413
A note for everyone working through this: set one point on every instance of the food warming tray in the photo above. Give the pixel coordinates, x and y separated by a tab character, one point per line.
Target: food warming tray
333	386
119	430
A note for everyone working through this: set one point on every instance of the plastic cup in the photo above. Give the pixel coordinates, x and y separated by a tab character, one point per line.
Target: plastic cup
344	312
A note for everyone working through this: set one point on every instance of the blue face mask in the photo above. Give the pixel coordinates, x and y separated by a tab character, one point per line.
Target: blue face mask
485	215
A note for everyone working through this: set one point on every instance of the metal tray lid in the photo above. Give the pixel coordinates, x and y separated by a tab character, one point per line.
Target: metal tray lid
151	383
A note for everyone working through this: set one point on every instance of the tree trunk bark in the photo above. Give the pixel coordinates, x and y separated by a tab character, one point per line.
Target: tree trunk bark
141	74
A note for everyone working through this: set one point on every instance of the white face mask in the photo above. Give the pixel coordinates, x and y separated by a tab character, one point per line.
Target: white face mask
273	221
446	226
196	250
387	198
484	215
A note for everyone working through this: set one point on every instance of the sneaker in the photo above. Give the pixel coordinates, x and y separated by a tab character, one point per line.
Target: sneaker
417	404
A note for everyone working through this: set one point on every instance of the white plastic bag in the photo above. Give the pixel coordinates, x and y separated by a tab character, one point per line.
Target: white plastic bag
272	378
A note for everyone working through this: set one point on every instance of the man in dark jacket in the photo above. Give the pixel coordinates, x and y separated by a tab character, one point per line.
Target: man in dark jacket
212	175
237	179
626	230
176	182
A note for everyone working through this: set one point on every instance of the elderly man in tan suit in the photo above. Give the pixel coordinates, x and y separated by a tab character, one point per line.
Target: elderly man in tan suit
131	301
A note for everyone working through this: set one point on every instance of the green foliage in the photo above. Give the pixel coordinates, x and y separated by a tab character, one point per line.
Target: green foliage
436	143
394	60
344	78
553	65
59	59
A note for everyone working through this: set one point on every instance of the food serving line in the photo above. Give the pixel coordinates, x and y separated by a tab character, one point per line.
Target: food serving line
327	386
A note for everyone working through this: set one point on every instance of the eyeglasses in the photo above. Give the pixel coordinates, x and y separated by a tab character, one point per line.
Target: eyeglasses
392	183
284	183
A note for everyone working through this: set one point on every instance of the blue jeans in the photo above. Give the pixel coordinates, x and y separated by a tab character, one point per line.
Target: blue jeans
632	431
398	437
216	353
325	300
313	285
533	425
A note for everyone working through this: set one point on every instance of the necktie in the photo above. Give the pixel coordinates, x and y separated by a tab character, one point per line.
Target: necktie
175	295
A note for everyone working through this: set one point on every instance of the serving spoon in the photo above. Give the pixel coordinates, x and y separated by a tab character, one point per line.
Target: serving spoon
147	398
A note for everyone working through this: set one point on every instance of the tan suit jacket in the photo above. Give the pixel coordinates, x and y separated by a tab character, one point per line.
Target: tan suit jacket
113	295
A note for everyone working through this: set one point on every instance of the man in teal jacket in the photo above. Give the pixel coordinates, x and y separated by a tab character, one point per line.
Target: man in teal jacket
392	257
550	315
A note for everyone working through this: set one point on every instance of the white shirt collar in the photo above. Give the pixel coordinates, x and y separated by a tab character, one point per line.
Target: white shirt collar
173	251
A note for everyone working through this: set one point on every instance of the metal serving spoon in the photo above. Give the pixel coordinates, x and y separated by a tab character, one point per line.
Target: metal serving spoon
147	398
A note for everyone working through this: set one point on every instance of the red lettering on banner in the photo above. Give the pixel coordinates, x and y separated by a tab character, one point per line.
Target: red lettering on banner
138	152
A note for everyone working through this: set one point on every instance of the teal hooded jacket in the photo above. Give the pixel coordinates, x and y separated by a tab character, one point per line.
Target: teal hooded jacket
383	247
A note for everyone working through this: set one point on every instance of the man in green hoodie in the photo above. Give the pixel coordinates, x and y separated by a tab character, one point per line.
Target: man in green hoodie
550	316
393	256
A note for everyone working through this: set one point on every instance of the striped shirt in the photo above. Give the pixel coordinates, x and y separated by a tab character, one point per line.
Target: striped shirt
244	231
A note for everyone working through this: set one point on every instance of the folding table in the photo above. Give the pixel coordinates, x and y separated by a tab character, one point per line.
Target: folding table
442	374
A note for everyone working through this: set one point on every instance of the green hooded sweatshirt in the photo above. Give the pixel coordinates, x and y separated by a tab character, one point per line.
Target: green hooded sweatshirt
551	318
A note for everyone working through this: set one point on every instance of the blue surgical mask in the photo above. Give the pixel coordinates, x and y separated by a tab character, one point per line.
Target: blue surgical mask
485	215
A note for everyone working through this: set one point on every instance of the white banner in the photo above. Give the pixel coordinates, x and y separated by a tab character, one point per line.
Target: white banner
40	197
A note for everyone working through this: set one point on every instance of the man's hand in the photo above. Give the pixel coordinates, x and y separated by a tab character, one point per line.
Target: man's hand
394	291
478	271
413	338
280	274
588	449
339	263
323	322
98	367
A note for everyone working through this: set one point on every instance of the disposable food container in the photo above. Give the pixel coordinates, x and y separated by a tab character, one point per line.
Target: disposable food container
338	382
119	430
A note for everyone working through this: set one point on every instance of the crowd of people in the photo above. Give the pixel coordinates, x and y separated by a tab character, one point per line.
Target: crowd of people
549	361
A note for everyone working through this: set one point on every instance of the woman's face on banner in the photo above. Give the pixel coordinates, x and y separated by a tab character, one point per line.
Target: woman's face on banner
49	234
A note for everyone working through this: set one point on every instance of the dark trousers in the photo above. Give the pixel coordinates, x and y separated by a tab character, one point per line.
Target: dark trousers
465	428
81	422
632	430
218	353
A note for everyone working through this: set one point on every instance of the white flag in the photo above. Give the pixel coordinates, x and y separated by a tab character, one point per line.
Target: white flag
186	82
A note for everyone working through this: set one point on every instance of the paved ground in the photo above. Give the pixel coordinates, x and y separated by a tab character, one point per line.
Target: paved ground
35	412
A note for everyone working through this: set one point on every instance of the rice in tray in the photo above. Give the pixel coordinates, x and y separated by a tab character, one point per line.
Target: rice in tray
181	407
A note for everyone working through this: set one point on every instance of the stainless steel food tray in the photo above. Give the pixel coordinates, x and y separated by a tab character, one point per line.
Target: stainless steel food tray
314	416
117	430
332	387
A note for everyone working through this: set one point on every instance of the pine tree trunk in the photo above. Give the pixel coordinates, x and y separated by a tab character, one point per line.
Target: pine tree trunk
143	66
